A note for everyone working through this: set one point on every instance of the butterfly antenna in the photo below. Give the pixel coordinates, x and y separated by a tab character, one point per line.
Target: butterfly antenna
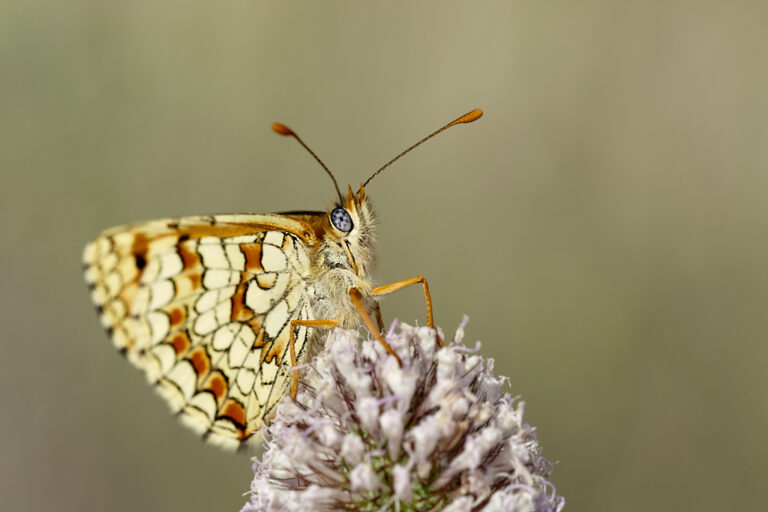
466	118
284	130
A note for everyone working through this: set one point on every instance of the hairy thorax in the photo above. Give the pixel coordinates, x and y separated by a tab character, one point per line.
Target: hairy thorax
333	276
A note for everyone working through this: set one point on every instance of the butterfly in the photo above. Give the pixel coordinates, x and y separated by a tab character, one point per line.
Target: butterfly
218	310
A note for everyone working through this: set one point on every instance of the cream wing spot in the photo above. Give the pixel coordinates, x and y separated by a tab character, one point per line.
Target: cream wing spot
113	283
223	311
268	373
245	380
243	239
194	419
274	238
266	280
276	319
127	269
170	265
161	245
220	278
267	376
224	435
210	240
165	356
90	253
214	298
205	323
119	339
224	337
246	336
272	258
124	239
260	300
101	247
109	262
213	318
294	297
235	257
185	287
91	275
207	301
162	293
98	295
301	338
184	377
238	351
151	272
172	394
140	330
113	312
253	360
159	326
140	301
206	404
213	254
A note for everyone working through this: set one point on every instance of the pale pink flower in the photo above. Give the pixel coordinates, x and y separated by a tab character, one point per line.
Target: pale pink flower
437	433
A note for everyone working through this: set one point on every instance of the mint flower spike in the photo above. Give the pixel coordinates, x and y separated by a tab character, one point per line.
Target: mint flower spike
435	434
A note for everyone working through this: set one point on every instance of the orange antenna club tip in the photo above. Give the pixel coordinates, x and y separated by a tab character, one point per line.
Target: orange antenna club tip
469	117
466	118
282	129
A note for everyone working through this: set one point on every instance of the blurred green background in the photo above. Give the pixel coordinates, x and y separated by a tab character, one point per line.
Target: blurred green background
603	225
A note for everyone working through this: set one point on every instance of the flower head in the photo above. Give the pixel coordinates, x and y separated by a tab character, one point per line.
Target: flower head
365	433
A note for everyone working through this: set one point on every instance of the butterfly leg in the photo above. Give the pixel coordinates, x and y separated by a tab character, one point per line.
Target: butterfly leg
317	324
399	285
379	320
356	297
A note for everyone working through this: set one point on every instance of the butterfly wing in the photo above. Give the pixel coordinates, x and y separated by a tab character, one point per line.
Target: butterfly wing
203	306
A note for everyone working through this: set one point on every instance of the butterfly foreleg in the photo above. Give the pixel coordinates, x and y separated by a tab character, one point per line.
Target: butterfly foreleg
356	297
317	324
379	320
399	285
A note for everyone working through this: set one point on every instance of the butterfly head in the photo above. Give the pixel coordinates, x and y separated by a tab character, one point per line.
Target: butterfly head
351	227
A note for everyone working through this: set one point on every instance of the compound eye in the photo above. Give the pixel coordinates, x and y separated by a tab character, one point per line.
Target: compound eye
341	220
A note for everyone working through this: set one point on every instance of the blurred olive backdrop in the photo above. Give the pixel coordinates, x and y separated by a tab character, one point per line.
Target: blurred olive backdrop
603	225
